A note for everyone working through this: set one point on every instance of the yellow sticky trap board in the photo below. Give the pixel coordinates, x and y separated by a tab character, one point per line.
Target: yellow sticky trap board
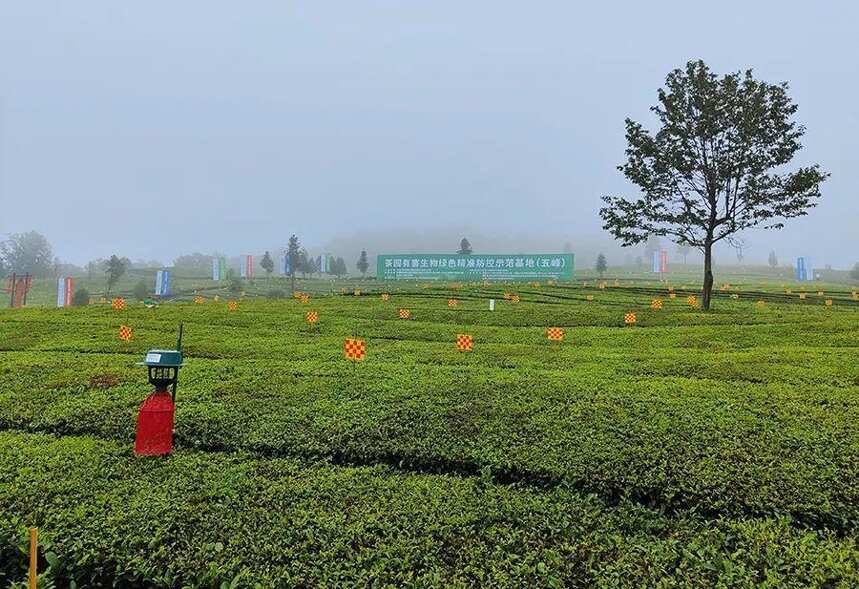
198	300
629	318
555	333
464	343
828	302
312	317
405	313
760	304
589	297
232	305
118	304
656	304
692	300
452	302
355	349
385	296
125	333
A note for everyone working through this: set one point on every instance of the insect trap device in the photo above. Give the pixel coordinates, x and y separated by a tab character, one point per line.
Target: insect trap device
155	419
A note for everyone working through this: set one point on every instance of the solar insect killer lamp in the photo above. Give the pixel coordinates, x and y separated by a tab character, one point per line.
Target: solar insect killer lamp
155	419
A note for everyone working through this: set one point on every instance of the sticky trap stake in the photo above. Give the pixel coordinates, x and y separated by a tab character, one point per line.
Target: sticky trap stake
34	553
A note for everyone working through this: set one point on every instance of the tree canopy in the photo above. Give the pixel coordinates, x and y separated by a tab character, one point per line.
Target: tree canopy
27	253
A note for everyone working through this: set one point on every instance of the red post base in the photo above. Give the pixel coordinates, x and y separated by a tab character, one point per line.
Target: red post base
155	425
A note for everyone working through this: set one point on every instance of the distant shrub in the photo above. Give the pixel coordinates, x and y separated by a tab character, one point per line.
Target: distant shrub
854	273
140	290
276	293
80	298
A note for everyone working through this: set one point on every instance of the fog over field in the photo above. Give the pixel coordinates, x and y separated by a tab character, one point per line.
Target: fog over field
157	129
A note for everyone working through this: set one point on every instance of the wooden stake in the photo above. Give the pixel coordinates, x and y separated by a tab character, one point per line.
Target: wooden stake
34	551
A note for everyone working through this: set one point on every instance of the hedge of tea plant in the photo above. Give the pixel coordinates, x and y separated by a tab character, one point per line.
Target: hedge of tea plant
743	416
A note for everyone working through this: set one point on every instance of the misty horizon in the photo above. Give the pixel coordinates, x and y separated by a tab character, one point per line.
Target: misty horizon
143	132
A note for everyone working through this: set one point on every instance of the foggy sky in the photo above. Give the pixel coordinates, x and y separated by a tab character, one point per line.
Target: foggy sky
153	129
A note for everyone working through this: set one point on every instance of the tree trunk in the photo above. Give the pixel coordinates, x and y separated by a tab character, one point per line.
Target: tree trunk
708	275
292	275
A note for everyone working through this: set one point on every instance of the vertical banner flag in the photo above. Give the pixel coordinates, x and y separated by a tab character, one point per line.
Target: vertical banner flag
222	268
660	262
246	267
804	273
162	283
284	265
323	264
216	269
64	291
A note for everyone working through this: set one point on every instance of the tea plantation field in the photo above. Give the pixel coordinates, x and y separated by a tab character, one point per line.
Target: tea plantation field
689	449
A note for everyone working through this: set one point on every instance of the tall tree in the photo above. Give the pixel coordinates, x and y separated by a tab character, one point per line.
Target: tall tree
854	273
602	265
362	264
714	166
267	264
304	265
114	268
338	267
772	260
293	256
27	253
464	247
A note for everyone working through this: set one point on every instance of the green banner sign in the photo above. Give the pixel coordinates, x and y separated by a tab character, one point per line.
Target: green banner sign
475	267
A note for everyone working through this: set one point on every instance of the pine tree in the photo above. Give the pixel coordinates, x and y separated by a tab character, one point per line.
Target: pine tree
362	264
293	256
602	265
267	264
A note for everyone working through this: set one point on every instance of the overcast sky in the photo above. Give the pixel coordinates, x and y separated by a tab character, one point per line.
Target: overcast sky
151	129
